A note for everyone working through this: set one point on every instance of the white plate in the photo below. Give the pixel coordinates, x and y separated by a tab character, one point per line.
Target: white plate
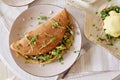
24	21
17	2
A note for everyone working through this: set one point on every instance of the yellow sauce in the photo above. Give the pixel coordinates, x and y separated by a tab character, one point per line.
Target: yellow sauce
112	24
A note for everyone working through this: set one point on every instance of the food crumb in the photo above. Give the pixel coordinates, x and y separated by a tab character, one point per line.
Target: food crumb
51	12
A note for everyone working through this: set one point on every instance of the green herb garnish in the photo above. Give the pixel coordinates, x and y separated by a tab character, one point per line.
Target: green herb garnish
93	25
53	39
70	30
105	12
56	52
31	18
109	0
96	12
90	34
104	29
55	25
44	45
42	18
110	44
68	41
77	51
39	23
26	62
108	36
18	46
61	60
33	40
100	39
61	47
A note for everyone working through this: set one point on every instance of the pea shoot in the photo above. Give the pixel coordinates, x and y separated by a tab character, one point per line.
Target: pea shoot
33	40
55	25
42	18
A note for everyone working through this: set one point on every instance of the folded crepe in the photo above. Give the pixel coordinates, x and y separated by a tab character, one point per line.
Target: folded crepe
47	42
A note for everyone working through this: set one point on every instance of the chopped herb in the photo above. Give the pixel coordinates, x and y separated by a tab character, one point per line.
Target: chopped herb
100	39
44	45
50	35
42	18
61	60
31	18
96	12
43	57
26	62
68	41
33	40
110	44
56	52
39	23
93	25
108	36
55	25
65	37
53	39
18	46
98	29
69	22
105	13
90	34
104	29
71	32
77	51
61	47
109	0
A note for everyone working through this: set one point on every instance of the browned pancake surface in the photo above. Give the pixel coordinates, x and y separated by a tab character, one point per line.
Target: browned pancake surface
43	31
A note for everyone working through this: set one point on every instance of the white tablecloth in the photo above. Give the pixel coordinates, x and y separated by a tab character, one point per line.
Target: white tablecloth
94	59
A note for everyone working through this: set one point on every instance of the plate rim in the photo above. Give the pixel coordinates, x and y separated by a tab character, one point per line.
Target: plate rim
18	5
70	65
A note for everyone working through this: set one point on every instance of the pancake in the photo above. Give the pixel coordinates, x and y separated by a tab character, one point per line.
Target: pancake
44	44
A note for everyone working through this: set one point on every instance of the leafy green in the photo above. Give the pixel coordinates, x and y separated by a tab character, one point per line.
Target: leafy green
56	52
55	25
77	51
33	40
26	62
42	18
53	39
44	45
109	0
108	36
61	60
105	12
110	44
68	41
61	47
